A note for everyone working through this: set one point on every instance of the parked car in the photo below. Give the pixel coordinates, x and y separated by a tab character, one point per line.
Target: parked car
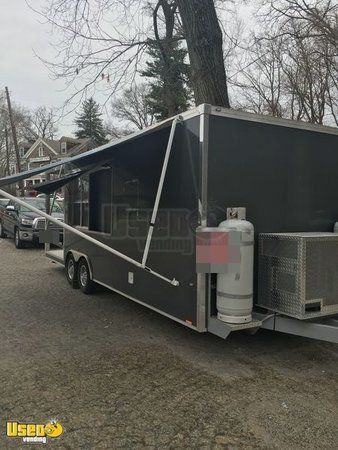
24	225
3	203
57	197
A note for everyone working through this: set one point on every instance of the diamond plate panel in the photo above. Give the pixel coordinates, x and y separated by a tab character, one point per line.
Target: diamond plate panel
298	274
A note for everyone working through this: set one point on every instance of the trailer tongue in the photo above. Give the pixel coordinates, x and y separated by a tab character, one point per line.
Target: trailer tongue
146	217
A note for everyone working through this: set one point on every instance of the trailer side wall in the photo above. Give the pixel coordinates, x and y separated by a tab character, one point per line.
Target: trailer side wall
134	173
287	178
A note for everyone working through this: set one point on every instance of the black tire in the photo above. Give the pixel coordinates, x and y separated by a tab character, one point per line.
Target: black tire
71	268
19	244
3	235
86	284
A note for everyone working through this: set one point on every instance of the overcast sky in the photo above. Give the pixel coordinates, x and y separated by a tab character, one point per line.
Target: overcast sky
23	34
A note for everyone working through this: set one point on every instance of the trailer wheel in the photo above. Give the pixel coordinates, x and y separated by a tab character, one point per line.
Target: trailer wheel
85	282
19	244
2	233
71	267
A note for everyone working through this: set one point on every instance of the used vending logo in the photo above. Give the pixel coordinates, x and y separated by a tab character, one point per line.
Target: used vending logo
34	432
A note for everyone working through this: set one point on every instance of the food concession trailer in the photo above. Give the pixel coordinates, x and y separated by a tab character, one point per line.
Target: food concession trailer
219	219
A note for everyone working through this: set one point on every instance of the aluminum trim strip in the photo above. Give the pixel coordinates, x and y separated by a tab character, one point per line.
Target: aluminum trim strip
201	304
270	120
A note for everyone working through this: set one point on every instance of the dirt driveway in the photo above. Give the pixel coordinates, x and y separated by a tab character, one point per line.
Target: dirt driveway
117	375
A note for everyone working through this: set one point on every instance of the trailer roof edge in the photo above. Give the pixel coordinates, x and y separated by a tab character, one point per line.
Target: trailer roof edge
269	120
166	122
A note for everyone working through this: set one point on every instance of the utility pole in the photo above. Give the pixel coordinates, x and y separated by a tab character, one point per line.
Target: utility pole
8	168
7	152
15	138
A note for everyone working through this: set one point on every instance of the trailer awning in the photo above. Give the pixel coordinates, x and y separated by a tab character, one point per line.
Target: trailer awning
29	173
88	159
49	187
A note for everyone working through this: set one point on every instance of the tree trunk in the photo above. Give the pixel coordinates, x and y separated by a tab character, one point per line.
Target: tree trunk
205	45
165	45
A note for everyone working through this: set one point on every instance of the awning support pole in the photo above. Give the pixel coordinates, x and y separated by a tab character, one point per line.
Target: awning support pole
86	237
47	246
54	195
159	191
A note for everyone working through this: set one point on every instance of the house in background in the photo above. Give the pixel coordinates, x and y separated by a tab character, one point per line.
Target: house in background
45	151
24	147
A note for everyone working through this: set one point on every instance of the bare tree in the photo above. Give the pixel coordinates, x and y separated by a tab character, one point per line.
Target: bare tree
309	81
32	124
29	125
100	43
115	132
317	18
290	71
43	122
103	43
133	108
261	81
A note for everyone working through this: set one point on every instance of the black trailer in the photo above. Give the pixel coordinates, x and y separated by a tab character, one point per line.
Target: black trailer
133	207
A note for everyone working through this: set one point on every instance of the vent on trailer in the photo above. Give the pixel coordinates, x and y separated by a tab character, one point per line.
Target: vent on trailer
298	274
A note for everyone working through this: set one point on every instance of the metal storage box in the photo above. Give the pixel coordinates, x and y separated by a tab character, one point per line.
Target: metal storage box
298	273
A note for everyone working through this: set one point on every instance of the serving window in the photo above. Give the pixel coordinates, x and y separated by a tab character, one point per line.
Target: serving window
79	192
100	199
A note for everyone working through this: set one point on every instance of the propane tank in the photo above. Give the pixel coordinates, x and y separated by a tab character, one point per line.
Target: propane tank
235	290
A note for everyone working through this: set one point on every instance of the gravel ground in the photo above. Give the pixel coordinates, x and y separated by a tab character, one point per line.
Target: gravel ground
117	375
